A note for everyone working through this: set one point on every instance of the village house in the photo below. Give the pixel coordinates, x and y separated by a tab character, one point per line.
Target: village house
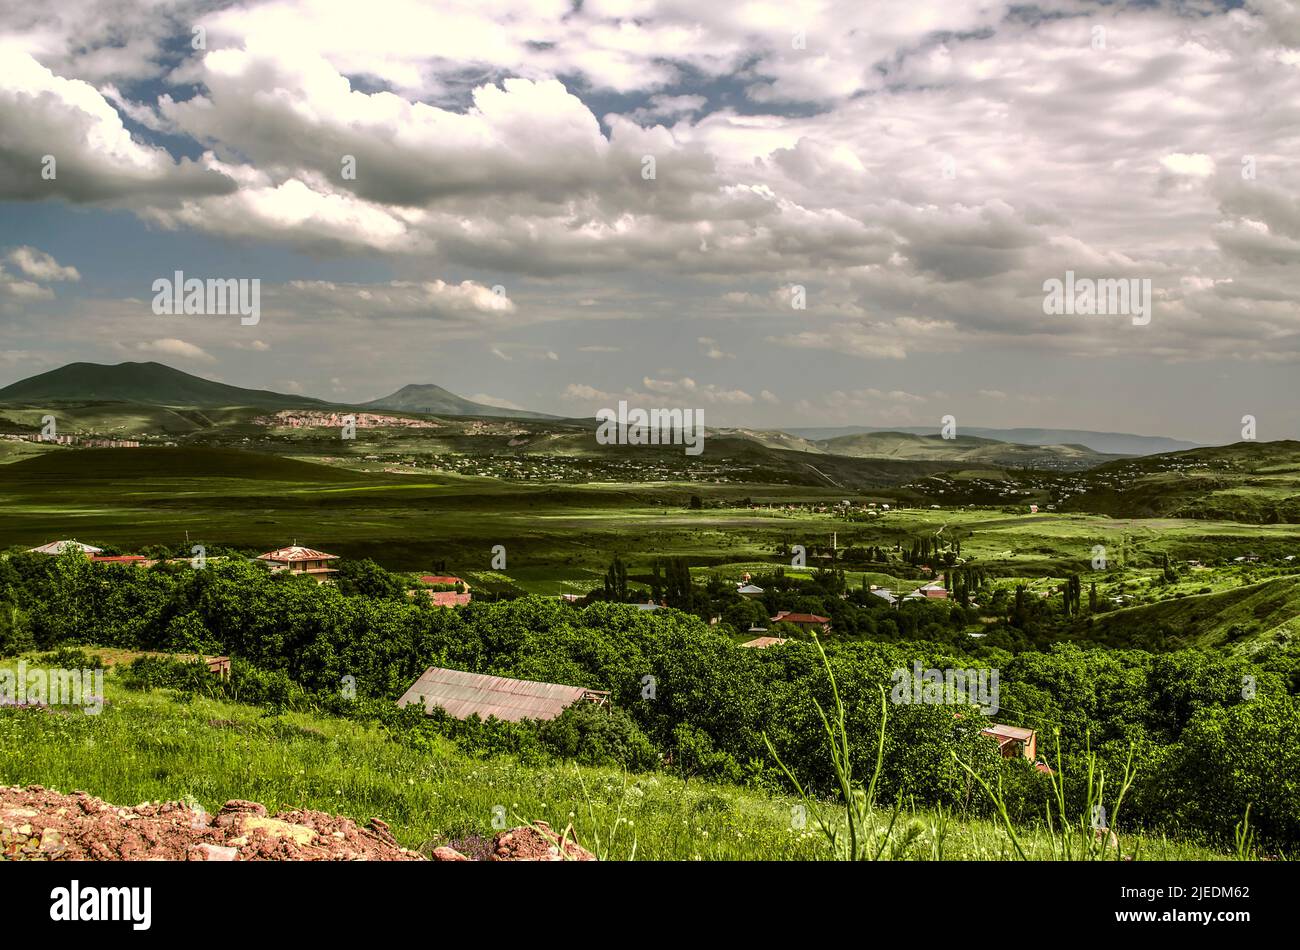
932	592
884	595
809	622
138	560
297	559
58	547
762	643
1013	740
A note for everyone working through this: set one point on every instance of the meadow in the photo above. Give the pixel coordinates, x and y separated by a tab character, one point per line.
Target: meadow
555	535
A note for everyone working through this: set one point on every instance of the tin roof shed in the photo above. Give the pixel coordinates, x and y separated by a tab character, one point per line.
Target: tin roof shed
463	694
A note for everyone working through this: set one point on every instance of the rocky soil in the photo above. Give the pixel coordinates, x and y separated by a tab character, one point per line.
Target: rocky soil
37	823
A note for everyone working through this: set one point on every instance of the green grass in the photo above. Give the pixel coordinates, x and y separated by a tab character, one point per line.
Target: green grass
151	746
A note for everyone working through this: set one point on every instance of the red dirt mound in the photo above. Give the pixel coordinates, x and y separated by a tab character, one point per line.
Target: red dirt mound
536	843
39	824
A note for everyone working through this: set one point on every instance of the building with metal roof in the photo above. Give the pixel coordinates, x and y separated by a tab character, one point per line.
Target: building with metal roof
58	547
463	694
760	643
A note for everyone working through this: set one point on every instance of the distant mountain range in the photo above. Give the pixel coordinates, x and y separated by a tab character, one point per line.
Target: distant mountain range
155	384
1107	443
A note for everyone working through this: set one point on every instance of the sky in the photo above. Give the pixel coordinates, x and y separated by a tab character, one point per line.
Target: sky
781	214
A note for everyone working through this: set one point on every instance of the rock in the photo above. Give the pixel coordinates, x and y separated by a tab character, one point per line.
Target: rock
80	827
232	810
277	828
52	842
447	854
213	852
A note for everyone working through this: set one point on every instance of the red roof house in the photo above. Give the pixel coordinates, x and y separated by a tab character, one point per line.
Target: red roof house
804	621
448	598
297	559
443	579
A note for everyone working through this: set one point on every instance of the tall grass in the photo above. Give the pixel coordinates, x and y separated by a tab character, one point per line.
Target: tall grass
852	832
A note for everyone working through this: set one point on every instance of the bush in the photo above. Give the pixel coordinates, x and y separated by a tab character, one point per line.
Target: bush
15	635
70	658
599	735
157	672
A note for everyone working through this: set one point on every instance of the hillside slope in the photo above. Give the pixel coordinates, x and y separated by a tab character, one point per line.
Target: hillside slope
149	383
963	448
432	794
1256	482
1244	618
436	401
1109	443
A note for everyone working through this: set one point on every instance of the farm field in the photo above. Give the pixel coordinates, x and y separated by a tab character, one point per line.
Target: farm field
559	538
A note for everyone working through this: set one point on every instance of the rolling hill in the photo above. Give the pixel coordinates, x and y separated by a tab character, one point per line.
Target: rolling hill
1244	618
155	384
1106	443
963	448
1248	481
150	383
436	401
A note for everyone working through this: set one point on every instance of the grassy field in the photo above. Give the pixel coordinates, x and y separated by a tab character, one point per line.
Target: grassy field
151	746
560	538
